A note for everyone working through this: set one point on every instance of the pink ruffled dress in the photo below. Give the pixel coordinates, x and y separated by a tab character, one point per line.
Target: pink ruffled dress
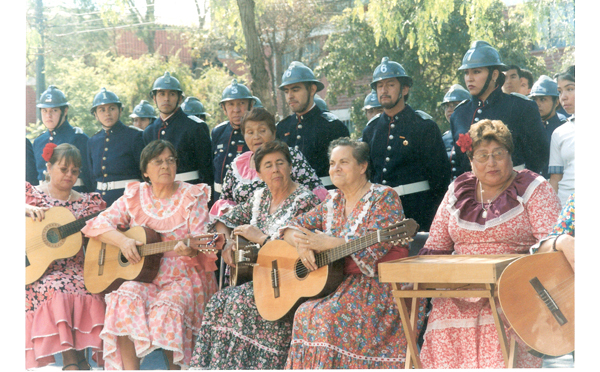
60	314
166	313
461	332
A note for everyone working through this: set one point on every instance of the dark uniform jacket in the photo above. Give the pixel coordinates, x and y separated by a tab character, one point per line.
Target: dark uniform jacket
114	155
311	134
186	133
30	170
227	143
520	115
65	133
550	125
406	150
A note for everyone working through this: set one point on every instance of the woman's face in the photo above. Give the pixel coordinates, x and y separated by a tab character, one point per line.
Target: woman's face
162	169
257	133
62	176
475	79
108	114
497	169
566	91
275	171
344	170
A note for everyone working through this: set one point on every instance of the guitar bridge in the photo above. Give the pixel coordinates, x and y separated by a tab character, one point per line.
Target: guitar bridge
548	300
101	256
275	278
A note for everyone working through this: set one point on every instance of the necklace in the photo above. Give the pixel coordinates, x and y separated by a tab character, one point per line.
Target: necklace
66	201
490	201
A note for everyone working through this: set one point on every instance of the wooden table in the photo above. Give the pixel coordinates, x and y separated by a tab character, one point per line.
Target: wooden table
445	276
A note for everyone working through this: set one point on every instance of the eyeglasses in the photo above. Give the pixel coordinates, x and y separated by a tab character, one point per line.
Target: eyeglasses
171	160
497	155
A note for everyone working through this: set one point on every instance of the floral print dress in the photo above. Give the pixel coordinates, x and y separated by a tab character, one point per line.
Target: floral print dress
233	334
461	332
60	314
241	180
358	326
167	312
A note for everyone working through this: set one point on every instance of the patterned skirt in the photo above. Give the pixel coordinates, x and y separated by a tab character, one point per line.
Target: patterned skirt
61	315
235	336
461	333
166	313
356	327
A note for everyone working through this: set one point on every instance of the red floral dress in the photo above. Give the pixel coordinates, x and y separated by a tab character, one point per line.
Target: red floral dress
60	314
166	313
357	326
461	332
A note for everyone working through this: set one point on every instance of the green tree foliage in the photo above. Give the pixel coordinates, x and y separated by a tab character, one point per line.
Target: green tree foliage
131	79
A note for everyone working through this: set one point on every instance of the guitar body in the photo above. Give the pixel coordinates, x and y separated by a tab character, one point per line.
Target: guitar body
546	331
242	271
44	244
294	286
105	268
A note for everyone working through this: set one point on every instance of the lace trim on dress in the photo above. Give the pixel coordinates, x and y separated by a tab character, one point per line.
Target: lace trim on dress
460	323
248	339
466	210
345	352
249	175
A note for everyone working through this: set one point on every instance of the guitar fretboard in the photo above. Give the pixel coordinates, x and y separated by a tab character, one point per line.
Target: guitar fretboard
75	226
326	257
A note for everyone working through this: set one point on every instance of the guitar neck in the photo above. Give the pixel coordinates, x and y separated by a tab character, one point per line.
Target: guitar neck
75	226
326	257
160	247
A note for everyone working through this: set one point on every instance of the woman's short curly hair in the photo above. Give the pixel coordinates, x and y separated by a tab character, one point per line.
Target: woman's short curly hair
490	130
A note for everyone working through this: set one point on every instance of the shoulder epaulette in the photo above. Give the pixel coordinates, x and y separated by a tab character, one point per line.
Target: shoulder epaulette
520	96
136	128
195	118
329	116
423	115
373	119
78	130
462	103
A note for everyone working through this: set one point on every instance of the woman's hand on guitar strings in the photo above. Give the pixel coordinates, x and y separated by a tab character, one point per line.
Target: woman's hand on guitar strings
130	251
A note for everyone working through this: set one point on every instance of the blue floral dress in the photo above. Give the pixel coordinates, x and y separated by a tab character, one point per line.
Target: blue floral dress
233	334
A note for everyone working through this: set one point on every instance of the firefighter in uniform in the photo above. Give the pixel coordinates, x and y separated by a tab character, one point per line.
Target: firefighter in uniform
371	106
193	107
407	150
54	109
309	129
194	159
455	95
114	151
545	93
483	75
143	115
227	138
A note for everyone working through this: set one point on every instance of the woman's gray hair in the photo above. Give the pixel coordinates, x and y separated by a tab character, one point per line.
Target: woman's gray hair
360	151
152	150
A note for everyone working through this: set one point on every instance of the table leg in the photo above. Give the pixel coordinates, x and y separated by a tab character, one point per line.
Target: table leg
499	326
412	353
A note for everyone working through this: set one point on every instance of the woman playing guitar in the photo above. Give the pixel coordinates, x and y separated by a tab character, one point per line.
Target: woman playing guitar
61	316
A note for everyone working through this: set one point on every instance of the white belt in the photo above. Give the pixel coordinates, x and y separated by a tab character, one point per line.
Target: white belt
187	176
412	188
113	185
326	181
519	167
218	188
79	182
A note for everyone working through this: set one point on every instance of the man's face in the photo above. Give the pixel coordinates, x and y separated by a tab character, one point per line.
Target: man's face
390	92
167	101
235	110
512	84
298	97
449	109
51	117
141	123
371	112
524	87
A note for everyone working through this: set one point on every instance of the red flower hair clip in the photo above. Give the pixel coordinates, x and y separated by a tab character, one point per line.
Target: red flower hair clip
465	141
48	151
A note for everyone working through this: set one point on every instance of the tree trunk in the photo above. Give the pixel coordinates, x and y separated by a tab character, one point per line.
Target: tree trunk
258	71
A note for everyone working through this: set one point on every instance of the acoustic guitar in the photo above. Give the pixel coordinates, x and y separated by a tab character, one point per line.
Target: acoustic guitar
282	282
536	294
56	237
244	259
105	267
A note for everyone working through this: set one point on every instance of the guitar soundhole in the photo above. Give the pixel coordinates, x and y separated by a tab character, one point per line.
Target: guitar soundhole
51	235
122	260
301	270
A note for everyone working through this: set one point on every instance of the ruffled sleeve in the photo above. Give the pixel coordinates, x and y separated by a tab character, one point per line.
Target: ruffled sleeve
34	197
116	215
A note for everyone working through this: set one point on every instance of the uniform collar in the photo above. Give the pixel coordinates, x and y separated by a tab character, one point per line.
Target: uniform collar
173	117
115	128
314	111
399	116
495	96
65	127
